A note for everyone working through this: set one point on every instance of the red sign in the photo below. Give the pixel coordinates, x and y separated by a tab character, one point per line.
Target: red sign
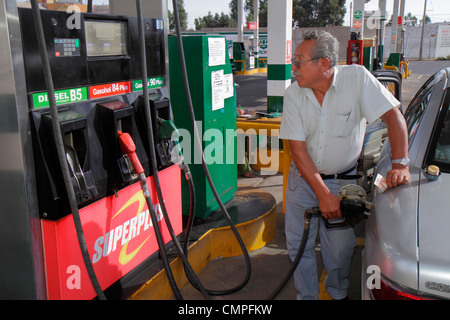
111	89
119	236
251	25
288	51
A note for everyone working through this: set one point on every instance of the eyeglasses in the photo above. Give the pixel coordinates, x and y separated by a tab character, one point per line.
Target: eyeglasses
297	63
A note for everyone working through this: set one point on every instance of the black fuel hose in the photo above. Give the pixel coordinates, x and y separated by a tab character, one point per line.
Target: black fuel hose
308	215
190	272
169	273
60	148
129	148
353	211
190	222
204	165
142	177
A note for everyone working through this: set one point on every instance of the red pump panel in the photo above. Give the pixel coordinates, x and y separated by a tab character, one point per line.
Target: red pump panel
119	236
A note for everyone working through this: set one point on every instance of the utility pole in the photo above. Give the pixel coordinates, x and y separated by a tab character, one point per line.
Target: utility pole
394	36
240	15
423	28
256	32
401	28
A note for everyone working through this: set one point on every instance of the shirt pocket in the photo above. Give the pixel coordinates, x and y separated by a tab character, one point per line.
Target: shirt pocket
344	124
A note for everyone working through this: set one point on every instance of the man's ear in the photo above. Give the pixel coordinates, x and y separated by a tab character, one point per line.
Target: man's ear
324	64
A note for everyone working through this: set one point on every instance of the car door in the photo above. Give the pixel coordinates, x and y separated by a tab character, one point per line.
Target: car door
434	204
392	228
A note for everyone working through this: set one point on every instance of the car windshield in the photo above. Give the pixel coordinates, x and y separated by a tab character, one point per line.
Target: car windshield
439	153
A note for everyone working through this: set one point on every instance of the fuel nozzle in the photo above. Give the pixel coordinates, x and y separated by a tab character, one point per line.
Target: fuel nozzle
129	148
168	132
353	211
354	208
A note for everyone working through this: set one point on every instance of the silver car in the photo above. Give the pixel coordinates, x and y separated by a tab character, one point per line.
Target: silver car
407	241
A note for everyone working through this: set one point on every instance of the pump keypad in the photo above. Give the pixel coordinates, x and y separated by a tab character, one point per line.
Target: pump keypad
67	47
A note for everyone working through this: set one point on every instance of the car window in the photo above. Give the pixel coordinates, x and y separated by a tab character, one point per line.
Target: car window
417	106
439	152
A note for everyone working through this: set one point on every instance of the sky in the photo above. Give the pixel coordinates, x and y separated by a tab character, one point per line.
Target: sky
437	10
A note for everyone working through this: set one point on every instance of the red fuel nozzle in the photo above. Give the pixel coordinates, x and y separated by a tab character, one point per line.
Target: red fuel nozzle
128	147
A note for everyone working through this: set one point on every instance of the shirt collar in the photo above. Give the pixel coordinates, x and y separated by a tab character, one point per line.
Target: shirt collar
334	82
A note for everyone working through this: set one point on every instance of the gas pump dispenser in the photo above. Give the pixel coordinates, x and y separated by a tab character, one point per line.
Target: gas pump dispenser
244	57
98	90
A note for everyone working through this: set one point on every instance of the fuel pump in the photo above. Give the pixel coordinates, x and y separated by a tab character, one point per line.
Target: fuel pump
81	87
94	220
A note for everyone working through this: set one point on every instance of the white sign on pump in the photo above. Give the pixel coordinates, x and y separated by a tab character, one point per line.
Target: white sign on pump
218	90
216	49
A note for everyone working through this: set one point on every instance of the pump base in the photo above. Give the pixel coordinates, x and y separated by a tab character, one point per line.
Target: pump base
253	212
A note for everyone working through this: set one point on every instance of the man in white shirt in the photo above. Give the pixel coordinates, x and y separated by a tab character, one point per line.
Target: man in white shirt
324	118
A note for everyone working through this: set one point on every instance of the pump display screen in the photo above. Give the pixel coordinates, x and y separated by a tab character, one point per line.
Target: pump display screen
106	38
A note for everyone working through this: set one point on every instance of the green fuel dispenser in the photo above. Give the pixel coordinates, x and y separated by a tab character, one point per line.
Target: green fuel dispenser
244	58
210	80
394	60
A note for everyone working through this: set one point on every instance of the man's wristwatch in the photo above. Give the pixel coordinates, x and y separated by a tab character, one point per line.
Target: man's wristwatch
403	161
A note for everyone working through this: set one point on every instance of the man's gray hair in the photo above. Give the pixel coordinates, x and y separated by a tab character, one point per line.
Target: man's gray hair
325	46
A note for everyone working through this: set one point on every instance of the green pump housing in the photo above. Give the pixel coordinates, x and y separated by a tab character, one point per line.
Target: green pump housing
216	125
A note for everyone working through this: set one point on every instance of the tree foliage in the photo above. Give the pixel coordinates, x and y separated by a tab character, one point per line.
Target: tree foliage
248	11
230	20
306	13
331	12
413	21
183	16
318	13
216	21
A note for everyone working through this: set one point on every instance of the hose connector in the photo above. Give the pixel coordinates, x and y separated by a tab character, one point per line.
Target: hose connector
312	212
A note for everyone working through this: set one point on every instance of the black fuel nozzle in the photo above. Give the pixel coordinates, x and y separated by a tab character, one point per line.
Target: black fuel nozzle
353	211
170	136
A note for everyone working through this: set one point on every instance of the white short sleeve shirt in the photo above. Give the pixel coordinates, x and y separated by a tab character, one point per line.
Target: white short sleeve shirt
334	132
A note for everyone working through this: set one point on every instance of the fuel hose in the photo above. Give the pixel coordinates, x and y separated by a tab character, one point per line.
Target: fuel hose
204	165
308	215
61	150
128	147
353	211
190	272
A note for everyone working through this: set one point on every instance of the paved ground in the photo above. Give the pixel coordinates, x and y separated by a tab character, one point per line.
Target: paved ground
270	264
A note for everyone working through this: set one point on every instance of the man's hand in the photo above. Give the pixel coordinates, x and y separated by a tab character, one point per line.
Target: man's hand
330	206
397	176
398	138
